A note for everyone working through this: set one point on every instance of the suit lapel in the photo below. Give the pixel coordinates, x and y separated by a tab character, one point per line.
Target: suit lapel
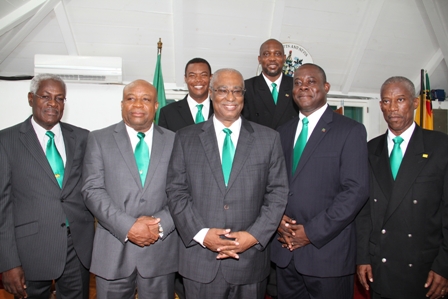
322	128
412	164
265	95
184	111
242	152
210	145
284	97
380	165
125	147
70	145
29	139
158	144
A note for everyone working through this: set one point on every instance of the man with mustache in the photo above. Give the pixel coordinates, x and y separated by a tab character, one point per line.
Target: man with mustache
326	159
196	106
268	98
46	232
227	191
124	180
402	231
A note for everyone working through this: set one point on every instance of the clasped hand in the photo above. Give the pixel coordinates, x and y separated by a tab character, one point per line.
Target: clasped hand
228	244
145	231
292	235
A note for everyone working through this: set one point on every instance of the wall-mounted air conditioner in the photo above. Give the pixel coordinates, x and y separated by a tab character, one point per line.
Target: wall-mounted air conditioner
85	69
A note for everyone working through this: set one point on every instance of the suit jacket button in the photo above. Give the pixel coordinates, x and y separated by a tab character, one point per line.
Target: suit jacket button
290	194
383	231
375	200
383	260
226	207
415	201
410	265
142	200
62	224
410	235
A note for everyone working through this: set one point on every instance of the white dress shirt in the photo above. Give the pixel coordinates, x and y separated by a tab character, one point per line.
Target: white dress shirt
43	138
406	135
313	119
269	82
193	109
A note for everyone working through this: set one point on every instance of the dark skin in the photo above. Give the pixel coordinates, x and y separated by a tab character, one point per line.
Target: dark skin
197	78
271	58
48	107
138	109
227	111
309	93
398	105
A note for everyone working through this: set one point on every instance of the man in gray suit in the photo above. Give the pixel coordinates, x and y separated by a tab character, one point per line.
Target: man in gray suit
227	190
134	244
46	232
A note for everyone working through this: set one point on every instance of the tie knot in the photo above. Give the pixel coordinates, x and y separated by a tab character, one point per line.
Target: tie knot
200	107
227	131
398	140
50	134
274	85
305	121
141	135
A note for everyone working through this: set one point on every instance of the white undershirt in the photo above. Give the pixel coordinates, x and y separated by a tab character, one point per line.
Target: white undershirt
193	109
43	139
406	135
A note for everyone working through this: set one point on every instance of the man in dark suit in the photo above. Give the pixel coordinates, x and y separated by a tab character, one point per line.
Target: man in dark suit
402	231
46	232
196	106
326	158
263	103
227	190
124	186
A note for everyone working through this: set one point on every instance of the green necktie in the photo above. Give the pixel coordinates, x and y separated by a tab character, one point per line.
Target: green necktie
55	159
199	116
142	157
300	144
396	156
274	92
228	151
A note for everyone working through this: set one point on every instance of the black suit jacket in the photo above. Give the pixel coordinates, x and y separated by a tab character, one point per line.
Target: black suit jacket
259	105
402	231
177	115
33	207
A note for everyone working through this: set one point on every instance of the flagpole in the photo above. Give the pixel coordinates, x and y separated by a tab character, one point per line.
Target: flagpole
159	46
422	97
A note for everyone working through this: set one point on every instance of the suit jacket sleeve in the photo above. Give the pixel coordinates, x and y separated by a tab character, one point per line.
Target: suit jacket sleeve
363	231
188	221
96	197
275	197
9	256
353	191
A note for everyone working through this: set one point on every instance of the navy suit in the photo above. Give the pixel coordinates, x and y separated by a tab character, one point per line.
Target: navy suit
327	190
259	105
403	229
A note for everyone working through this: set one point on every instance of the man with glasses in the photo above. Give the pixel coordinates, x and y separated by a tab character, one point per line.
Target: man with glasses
196	106
46	232
268	99
227	190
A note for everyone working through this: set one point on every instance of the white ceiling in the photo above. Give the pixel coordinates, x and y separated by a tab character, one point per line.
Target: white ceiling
359	43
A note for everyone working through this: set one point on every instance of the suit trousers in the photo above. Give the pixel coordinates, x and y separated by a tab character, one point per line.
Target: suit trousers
159	287
219	288
73	283
293	285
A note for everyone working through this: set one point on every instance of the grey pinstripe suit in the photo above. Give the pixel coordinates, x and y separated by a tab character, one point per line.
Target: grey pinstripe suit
253	201
33	208
114	193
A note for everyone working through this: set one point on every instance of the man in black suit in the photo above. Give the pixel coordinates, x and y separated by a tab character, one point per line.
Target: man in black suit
326	159
402	231
263	103
196	106
46	232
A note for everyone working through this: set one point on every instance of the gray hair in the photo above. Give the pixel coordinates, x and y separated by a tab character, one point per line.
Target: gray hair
399	79
227	70
37	80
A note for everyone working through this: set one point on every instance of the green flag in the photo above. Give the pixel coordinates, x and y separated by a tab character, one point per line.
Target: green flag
158	84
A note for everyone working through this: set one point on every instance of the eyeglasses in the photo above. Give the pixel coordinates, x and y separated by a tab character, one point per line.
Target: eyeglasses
58	99
223	92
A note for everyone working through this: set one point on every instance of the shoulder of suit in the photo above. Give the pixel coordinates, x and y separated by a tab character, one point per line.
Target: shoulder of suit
171	106
11	130
261	129
77	130
435	137
166	132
